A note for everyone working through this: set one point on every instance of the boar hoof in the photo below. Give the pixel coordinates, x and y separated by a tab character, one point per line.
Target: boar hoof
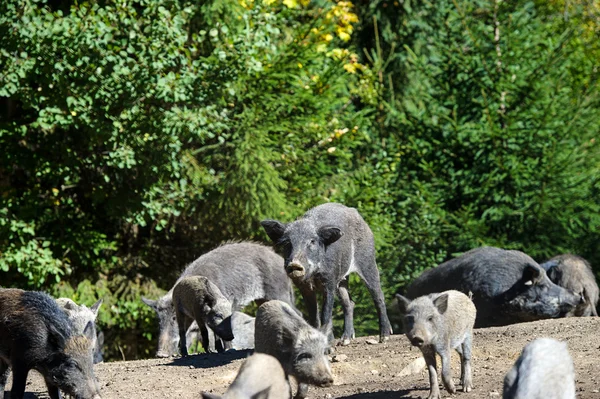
344	342
384	338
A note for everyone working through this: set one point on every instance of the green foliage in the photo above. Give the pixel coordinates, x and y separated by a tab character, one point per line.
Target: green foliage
140	135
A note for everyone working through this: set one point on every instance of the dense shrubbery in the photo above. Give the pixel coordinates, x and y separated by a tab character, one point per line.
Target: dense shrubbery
138	135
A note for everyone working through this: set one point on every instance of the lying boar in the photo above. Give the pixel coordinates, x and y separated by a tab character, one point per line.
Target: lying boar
244	272
260	377
36	334
575	274
439	323
321	249
543	371
507	286
300	348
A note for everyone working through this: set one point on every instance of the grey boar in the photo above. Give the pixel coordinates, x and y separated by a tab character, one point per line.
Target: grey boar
80	316
507	286
241	326
260	377
438	323
321	249
244	272
575	274
300	348
36	334
543	371
197	299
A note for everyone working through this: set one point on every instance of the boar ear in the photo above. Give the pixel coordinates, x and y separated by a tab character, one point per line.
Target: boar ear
532	274
329	234
88	331
150	302
264	394
402	303
441	303
96	307
209	300
273	228
205	395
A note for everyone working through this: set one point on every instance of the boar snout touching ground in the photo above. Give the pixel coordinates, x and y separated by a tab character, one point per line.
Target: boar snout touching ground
300	348
35	333
438	323
543	371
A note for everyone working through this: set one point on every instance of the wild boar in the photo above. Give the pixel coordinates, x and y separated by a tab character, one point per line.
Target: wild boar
507	286
80	316
320	250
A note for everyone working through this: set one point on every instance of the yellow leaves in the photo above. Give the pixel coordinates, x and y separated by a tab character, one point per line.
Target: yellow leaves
290	3
55	191
300	65
331	150
344	36
269	2
350	68
328	37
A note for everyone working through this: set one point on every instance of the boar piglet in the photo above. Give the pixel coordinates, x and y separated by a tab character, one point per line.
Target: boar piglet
80	316
575	274
321	249
36	334
260	377
300	348
438	323
508	286
197	299
243	271
241	327
543	371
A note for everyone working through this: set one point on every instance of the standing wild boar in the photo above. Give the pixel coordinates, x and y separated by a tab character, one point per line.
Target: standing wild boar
300	348
244	272
543	371
80	316
438	323
241	327
320	250
36	334
197	299
507	286
575	274
260	377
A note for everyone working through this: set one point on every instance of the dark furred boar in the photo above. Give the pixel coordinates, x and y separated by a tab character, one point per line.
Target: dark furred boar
196	298
439	323
36	334
543	371
244	272
300	348
260	377
575	274
320	250
507	286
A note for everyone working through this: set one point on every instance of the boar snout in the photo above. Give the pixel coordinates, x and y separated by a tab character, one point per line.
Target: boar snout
295	270
417	341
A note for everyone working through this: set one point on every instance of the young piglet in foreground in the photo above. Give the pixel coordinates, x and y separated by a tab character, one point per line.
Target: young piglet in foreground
260	377
438	323
300	348
543	371
36	334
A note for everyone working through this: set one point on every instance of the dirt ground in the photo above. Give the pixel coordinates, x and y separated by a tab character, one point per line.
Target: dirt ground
369	371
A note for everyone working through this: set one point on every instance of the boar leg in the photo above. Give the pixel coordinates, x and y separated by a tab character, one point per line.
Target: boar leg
4	371
327	312
302	391
466	379
447	371
434	390
312	307
204	336
370	276
182	325
19	380
348	307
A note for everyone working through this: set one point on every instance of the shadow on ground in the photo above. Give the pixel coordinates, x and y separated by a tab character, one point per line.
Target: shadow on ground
207	360
382	395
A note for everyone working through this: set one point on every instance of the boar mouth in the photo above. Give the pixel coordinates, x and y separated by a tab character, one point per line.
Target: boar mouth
295	271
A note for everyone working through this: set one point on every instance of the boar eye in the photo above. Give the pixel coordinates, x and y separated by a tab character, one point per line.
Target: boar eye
304	356
430	318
